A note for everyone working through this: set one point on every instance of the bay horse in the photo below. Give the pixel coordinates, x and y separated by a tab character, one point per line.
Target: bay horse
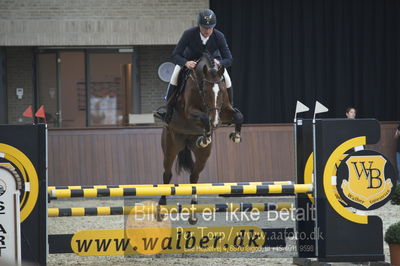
200	108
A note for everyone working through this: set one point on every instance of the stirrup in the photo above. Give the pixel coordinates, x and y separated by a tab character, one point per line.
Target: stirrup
160	112
164	115
158	115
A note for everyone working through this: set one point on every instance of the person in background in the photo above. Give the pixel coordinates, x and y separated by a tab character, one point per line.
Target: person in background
351	112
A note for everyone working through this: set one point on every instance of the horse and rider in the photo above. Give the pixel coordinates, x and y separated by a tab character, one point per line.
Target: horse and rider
193	43
199	99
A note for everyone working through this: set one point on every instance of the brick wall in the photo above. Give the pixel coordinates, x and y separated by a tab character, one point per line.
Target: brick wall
3	88
96	22
152	88
19	75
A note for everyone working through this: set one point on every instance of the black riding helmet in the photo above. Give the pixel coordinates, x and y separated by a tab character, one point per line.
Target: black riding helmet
207	18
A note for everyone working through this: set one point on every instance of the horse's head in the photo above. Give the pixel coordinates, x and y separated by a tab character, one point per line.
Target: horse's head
213	89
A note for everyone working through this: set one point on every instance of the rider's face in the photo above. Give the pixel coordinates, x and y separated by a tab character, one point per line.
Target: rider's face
206	32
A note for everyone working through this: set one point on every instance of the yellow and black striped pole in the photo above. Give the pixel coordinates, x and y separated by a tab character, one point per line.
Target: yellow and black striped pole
165	209
50	188
183	190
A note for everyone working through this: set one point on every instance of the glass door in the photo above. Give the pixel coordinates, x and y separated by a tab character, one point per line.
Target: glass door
80	88
48	87
72	89
61	85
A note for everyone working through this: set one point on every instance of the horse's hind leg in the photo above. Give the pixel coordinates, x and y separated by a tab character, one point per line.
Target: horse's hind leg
171	145
201	155
167	176
169	158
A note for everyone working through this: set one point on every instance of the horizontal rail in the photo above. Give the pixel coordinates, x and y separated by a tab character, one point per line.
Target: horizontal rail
182	190
165	209
50	188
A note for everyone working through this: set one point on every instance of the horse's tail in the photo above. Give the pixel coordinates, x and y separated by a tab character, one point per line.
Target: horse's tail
185	161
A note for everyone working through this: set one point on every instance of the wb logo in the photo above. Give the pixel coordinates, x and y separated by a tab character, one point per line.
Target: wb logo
368	172
365	183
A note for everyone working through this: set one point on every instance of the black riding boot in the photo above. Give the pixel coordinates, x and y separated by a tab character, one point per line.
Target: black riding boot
164	113
170	90
230	95
237	116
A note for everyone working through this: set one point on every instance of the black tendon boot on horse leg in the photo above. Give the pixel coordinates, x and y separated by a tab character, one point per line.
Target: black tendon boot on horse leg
237	119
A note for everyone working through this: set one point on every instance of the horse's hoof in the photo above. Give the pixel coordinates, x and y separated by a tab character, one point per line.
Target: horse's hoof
235	137
203	142
192	220
162	201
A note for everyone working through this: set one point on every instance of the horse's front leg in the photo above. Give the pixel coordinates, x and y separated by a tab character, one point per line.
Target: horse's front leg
231	115
202	118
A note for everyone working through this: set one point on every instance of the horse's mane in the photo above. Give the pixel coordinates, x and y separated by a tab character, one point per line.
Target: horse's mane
205	59
209	58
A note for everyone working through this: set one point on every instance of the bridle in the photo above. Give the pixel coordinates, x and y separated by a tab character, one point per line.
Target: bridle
200	87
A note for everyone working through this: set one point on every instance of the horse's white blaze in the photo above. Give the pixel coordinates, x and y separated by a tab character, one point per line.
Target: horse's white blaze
216	90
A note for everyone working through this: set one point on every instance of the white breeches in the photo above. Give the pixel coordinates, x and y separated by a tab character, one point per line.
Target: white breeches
175	74
227	78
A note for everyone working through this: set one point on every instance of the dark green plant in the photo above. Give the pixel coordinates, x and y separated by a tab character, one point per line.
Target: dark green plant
392	235
396	196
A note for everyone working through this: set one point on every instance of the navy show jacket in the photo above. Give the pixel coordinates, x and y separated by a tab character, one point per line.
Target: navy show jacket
190	47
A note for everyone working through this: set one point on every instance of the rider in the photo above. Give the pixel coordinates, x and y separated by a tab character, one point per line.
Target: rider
190	47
